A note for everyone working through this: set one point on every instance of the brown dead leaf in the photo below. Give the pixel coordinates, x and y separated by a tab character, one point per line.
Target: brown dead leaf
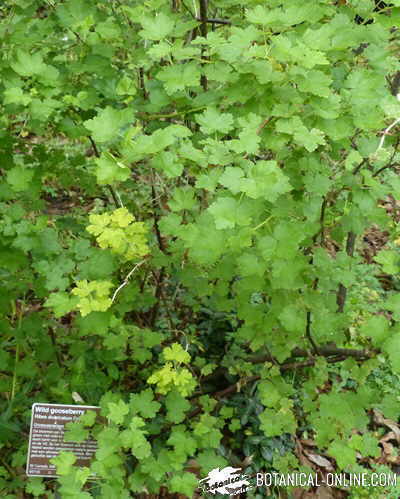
319	460
300	453
382	421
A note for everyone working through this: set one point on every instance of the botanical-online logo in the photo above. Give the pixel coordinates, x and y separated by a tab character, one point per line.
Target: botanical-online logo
226	481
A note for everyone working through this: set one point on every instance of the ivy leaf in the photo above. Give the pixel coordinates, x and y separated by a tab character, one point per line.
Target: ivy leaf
107	124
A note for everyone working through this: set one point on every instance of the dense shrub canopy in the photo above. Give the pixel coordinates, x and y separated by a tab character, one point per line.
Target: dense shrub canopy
199	234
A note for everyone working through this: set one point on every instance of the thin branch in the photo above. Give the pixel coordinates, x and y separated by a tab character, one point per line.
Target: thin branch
114	194
187	8
322	220
327	350
159	283
342	291
160	241
386	132
236	387
126	280
308	333
203	31
214	21
54	342
390	165
94	146
358	167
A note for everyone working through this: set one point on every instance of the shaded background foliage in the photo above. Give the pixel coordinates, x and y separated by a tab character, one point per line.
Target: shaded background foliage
249	313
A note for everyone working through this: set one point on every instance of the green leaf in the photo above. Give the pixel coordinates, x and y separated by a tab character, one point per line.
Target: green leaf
176	353
26	64
367	444
117	411
61	303
35	486
392	347
377	328
309	139
182	442
93	296
179	76
345	456
182	199
64	462
265	179
15	95
144	403
212	121
275	422
109	170
108	123
176	406
156	28
75	432
19	178
389	260
134	437
184	483
232	178
206	432
228	213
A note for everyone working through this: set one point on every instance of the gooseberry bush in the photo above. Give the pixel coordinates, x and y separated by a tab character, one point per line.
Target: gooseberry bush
199	235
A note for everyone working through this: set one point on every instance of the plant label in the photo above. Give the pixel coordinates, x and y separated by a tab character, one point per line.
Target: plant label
46	438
